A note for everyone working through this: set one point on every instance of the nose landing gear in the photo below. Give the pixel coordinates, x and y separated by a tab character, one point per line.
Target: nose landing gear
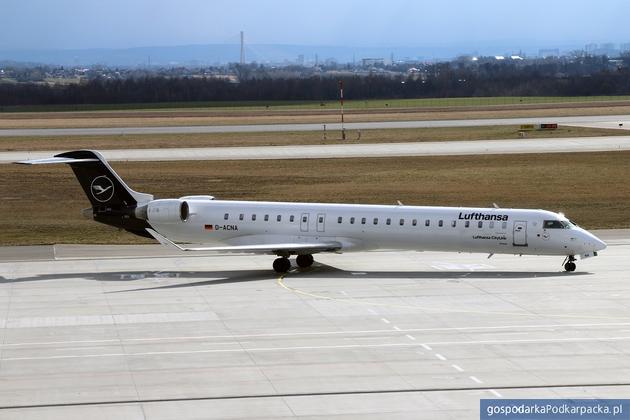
569	263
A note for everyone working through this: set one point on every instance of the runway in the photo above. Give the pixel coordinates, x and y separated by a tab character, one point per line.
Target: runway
612	121
133	332
476	147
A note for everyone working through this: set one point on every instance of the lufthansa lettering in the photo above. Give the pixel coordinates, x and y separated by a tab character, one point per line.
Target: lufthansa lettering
483	216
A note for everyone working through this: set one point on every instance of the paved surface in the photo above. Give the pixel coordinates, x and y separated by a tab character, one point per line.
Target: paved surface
560	145
366	335
613	119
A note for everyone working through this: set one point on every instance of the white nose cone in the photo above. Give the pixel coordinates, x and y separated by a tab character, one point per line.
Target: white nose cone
599	244
593	242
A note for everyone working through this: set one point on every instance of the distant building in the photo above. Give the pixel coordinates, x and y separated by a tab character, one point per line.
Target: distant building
371	62
624	48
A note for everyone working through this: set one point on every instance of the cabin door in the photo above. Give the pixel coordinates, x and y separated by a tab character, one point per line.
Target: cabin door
321	222
520	233
304	222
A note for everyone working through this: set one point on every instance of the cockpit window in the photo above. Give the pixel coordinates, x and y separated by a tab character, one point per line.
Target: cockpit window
556	224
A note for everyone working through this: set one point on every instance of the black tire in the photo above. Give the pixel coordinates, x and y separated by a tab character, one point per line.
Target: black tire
304	261
570	266
281	265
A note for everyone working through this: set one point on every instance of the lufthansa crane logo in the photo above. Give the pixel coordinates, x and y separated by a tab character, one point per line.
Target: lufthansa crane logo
102	189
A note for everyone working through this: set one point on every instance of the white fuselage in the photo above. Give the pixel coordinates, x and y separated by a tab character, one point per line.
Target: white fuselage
370	227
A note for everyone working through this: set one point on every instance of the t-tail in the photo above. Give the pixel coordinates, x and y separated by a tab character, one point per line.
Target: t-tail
113	202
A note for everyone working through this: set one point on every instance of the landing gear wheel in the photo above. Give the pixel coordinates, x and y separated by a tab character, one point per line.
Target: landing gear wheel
304	261
281	265
570	266
570	263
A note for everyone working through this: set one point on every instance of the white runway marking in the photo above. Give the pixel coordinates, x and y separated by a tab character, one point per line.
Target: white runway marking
396	328
300	348
495	393
457	368
444	266
385	320
439	356
411	337
475	379
315	333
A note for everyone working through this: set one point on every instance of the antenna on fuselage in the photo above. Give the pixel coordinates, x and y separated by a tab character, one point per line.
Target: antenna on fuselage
495	205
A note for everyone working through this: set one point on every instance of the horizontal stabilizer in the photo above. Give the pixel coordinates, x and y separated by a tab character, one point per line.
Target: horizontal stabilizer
52	160
278	249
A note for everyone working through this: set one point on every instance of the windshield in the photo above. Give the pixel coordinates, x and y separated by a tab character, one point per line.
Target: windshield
556	224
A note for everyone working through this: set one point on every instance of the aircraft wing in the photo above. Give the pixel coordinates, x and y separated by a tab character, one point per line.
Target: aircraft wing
276	249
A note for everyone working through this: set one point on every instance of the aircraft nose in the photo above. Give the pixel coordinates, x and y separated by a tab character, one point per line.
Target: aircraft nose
594	242
599	244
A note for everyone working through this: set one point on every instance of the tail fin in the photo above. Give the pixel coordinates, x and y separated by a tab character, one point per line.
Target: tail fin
101	184
113	202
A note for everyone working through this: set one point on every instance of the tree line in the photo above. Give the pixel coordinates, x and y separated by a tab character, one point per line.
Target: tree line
438	82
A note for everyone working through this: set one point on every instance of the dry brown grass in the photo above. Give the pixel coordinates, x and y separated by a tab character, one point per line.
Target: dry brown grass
288	138
175	117
42	204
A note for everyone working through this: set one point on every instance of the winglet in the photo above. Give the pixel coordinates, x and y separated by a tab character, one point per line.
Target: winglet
164	241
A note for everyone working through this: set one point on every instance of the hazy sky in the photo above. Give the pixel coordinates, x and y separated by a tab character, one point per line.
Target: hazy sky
47	24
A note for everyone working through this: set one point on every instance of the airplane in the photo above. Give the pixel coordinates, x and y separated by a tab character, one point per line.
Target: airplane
205	224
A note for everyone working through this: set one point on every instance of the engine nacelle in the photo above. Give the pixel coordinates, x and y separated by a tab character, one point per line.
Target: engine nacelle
168	211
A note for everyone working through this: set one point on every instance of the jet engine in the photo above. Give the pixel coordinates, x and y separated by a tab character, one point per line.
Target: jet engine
168	211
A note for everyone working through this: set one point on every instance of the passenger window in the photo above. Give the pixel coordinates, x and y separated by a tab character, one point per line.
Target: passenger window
291	218
253	217
491	225
467	223
279	218
339	219
480	224
414	222
241	216
388	221
504	225
226	216
304	219
352	220
376	220
454	223
363	220
266	217
440	223
402	222
321	219
427	222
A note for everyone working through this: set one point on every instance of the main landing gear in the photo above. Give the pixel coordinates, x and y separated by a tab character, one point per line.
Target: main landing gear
569	264
282	265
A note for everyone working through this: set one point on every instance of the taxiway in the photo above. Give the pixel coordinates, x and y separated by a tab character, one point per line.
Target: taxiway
607	121
439	148
139	333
